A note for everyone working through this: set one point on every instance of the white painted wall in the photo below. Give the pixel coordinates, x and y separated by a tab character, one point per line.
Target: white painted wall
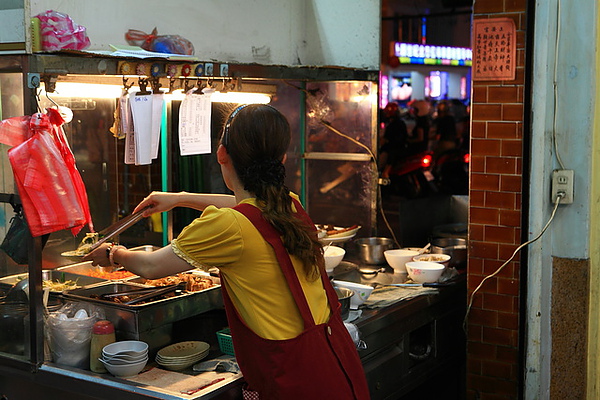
293	32
565	53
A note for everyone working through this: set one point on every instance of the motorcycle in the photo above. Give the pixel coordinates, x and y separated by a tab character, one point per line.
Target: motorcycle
422	175
451	170
411	177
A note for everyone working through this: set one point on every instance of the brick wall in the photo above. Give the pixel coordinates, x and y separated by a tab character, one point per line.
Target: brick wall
495	220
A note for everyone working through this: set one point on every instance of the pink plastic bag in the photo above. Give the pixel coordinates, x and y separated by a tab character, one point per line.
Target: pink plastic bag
58	31
171	44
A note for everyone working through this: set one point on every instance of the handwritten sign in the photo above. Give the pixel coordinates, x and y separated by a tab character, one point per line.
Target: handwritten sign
494	49
195	124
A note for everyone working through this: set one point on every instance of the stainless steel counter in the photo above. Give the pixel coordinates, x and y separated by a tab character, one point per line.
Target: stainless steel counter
408	343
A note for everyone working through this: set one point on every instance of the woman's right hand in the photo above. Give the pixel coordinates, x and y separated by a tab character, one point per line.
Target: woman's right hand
158	202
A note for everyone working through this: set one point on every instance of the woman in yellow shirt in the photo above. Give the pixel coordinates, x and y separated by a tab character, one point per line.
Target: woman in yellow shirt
284	316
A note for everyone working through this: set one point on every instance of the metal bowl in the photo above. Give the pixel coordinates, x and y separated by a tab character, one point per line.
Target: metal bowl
456	248
370	250
344	296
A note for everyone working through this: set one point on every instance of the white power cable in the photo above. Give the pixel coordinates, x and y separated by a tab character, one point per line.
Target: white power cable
557	202
555	85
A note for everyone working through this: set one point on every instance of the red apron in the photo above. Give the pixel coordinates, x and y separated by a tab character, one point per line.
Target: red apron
320	363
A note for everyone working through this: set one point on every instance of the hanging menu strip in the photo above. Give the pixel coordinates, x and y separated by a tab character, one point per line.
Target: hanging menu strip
195	124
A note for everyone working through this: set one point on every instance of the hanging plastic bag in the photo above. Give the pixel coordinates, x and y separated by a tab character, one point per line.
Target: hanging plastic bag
171	44
58	31
51	189
15	241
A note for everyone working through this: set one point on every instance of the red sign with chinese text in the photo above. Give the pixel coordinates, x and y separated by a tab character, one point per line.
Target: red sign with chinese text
494	49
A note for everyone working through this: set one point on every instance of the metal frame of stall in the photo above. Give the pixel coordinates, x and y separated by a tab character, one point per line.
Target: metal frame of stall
48	68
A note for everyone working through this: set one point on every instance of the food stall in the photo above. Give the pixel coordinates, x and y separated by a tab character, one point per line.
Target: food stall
334	177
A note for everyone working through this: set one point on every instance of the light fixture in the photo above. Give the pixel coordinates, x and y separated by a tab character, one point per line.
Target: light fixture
103	91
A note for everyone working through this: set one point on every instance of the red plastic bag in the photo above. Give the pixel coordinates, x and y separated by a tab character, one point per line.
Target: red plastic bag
58	31
171	44
51	189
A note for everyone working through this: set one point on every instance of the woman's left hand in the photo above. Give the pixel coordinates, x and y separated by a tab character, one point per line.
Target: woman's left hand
100	256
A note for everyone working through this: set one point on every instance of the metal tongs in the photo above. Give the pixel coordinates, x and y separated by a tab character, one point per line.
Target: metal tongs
145	293
118	227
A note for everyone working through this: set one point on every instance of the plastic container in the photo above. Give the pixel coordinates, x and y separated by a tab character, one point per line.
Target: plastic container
225	342
103	333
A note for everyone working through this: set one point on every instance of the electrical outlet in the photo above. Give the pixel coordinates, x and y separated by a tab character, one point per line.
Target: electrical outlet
562	182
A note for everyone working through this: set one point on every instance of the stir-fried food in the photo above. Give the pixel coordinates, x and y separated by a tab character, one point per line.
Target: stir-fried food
84	247
194	283
57	286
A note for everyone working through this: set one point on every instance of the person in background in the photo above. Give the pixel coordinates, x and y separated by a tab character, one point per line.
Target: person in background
418	141
289	339
394	141
445	129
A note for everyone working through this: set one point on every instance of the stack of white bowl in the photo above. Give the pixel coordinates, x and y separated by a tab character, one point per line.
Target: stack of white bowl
182	355
125	358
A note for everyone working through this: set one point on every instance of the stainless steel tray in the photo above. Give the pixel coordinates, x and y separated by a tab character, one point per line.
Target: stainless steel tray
136	318
53	275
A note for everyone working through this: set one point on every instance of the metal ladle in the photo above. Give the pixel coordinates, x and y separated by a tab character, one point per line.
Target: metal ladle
370	271
16	292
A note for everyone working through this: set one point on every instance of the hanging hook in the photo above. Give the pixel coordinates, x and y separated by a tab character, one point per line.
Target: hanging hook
52	101
37	99
143	84
171	84
155	85
201	85
126	85
187	86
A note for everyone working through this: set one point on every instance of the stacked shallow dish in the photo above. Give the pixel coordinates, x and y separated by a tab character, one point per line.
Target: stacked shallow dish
125	358
182	355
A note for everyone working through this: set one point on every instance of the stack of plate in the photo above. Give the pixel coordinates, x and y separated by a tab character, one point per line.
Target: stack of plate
125	358
181	355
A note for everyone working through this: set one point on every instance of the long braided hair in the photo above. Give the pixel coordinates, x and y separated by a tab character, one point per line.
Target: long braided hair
257	137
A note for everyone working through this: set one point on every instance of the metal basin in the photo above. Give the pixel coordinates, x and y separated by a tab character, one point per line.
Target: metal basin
370	250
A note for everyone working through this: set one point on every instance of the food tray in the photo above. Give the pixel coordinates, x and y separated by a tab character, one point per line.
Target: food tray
53	275
136	318
225	341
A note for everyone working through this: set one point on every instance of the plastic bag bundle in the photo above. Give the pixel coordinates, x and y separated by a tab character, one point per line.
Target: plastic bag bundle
69	332
52	191
58	31
171	44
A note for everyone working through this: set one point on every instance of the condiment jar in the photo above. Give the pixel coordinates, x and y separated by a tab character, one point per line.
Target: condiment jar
103	333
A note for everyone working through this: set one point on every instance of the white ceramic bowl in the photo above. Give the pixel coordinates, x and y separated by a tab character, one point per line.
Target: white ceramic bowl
361	292
436	258
120	360
125	347
397	258
125	369
333	257
424	271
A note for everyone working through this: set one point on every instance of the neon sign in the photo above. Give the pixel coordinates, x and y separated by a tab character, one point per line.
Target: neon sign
413	53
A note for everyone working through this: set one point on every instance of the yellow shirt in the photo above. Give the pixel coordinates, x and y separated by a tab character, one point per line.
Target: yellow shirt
228	240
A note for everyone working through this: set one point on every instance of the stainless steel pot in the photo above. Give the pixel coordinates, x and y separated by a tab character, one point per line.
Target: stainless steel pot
370	250
456	248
